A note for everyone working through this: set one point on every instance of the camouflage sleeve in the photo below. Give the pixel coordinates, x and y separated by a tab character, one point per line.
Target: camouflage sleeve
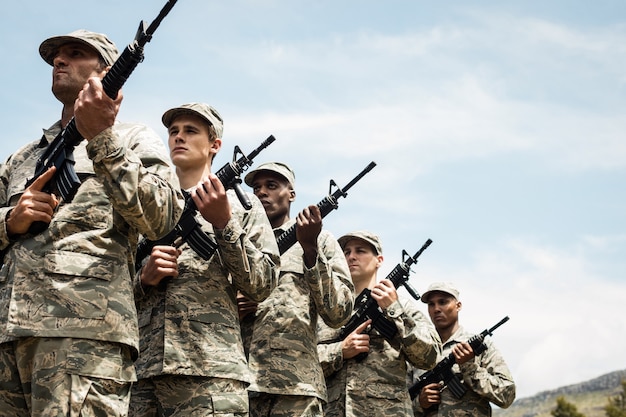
249	250
6	181
138	289
131	161
330	283
489	376
331	357
4	209
419	339
418	411
413	375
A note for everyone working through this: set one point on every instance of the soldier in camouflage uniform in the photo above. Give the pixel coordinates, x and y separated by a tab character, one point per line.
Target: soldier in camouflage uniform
374	385
314	282
486	377
192	361
67	313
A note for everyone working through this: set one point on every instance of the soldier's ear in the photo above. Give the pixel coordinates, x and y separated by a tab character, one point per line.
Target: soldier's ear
216	145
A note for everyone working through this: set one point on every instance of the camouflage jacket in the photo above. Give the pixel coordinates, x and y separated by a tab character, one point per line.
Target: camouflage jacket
283	353
74	278
190	326
376	386
487	378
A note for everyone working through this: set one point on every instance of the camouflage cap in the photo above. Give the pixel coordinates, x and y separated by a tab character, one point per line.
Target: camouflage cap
276	167
204	111
364	235
98	41
446	287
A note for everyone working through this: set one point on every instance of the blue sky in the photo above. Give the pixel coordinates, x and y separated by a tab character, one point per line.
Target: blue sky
497	128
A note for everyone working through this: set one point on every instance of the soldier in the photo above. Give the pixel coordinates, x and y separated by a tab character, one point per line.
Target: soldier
486	376
313	282
374	385
67	313
192	360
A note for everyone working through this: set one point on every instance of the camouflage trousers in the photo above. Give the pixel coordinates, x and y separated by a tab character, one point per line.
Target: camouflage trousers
265	405
46	377
12	399
364	406
188	396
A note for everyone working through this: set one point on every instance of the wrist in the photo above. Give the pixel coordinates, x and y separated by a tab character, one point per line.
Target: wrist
310	257
8	221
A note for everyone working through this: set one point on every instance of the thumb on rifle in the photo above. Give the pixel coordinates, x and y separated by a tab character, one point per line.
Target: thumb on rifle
363	326
43	179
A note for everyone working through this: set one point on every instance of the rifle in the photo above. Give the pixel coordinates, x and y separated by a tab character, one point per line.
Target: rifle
59	152
188	229
443	370
367	308
329	203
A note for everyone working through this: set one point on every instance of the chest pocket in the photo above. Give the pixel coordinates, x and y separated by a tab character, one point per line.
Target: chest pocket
80	284
384	391
82	164
291	261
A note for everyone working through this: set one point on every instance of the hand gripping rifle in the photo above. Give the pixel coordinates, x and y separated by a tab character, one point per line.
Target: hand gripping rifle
288	238
443	370
59	152
188	229
367	307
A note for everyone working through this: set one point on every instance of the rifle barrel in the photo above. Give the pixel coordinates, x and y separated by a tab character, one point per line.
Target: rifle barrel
156	22
356	179
422	249
500	323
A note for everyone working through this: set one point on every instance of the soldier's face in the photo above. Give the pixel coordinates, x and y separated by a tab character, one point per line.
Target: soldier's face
443	309
188	140
362	260
73	64
275	194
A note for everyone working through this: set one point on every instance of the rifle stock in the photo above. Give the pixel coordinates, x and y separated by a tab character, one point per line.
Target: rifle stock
329	203
442	372
59	152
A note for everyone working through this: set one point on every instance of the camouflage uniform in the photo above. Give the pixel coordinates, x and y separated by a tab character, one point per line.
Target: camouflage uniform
283	353
190	327
376	386
72	281
487	378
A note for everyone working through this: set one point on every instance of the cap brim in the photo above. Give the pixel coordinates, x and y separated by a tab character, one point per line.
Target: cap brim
48	47
249	178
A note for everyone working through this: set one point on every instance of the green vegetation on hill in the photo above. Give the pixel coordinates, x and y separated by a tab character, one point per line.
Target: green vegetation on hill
590	398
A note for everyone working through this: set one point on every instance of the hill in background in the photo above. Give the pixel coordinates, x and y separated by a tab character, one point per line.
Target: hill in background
589	397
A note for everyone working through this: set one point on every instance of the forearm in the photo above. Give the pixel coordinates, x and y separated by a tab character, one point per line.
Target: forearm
331	286
419	340
330	357
139	291
250	254
141	185
5	208
488	376
4	234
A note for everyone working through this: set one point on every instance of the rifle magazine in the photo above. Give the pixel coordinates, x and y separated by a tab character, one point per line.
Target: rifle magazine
201	243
